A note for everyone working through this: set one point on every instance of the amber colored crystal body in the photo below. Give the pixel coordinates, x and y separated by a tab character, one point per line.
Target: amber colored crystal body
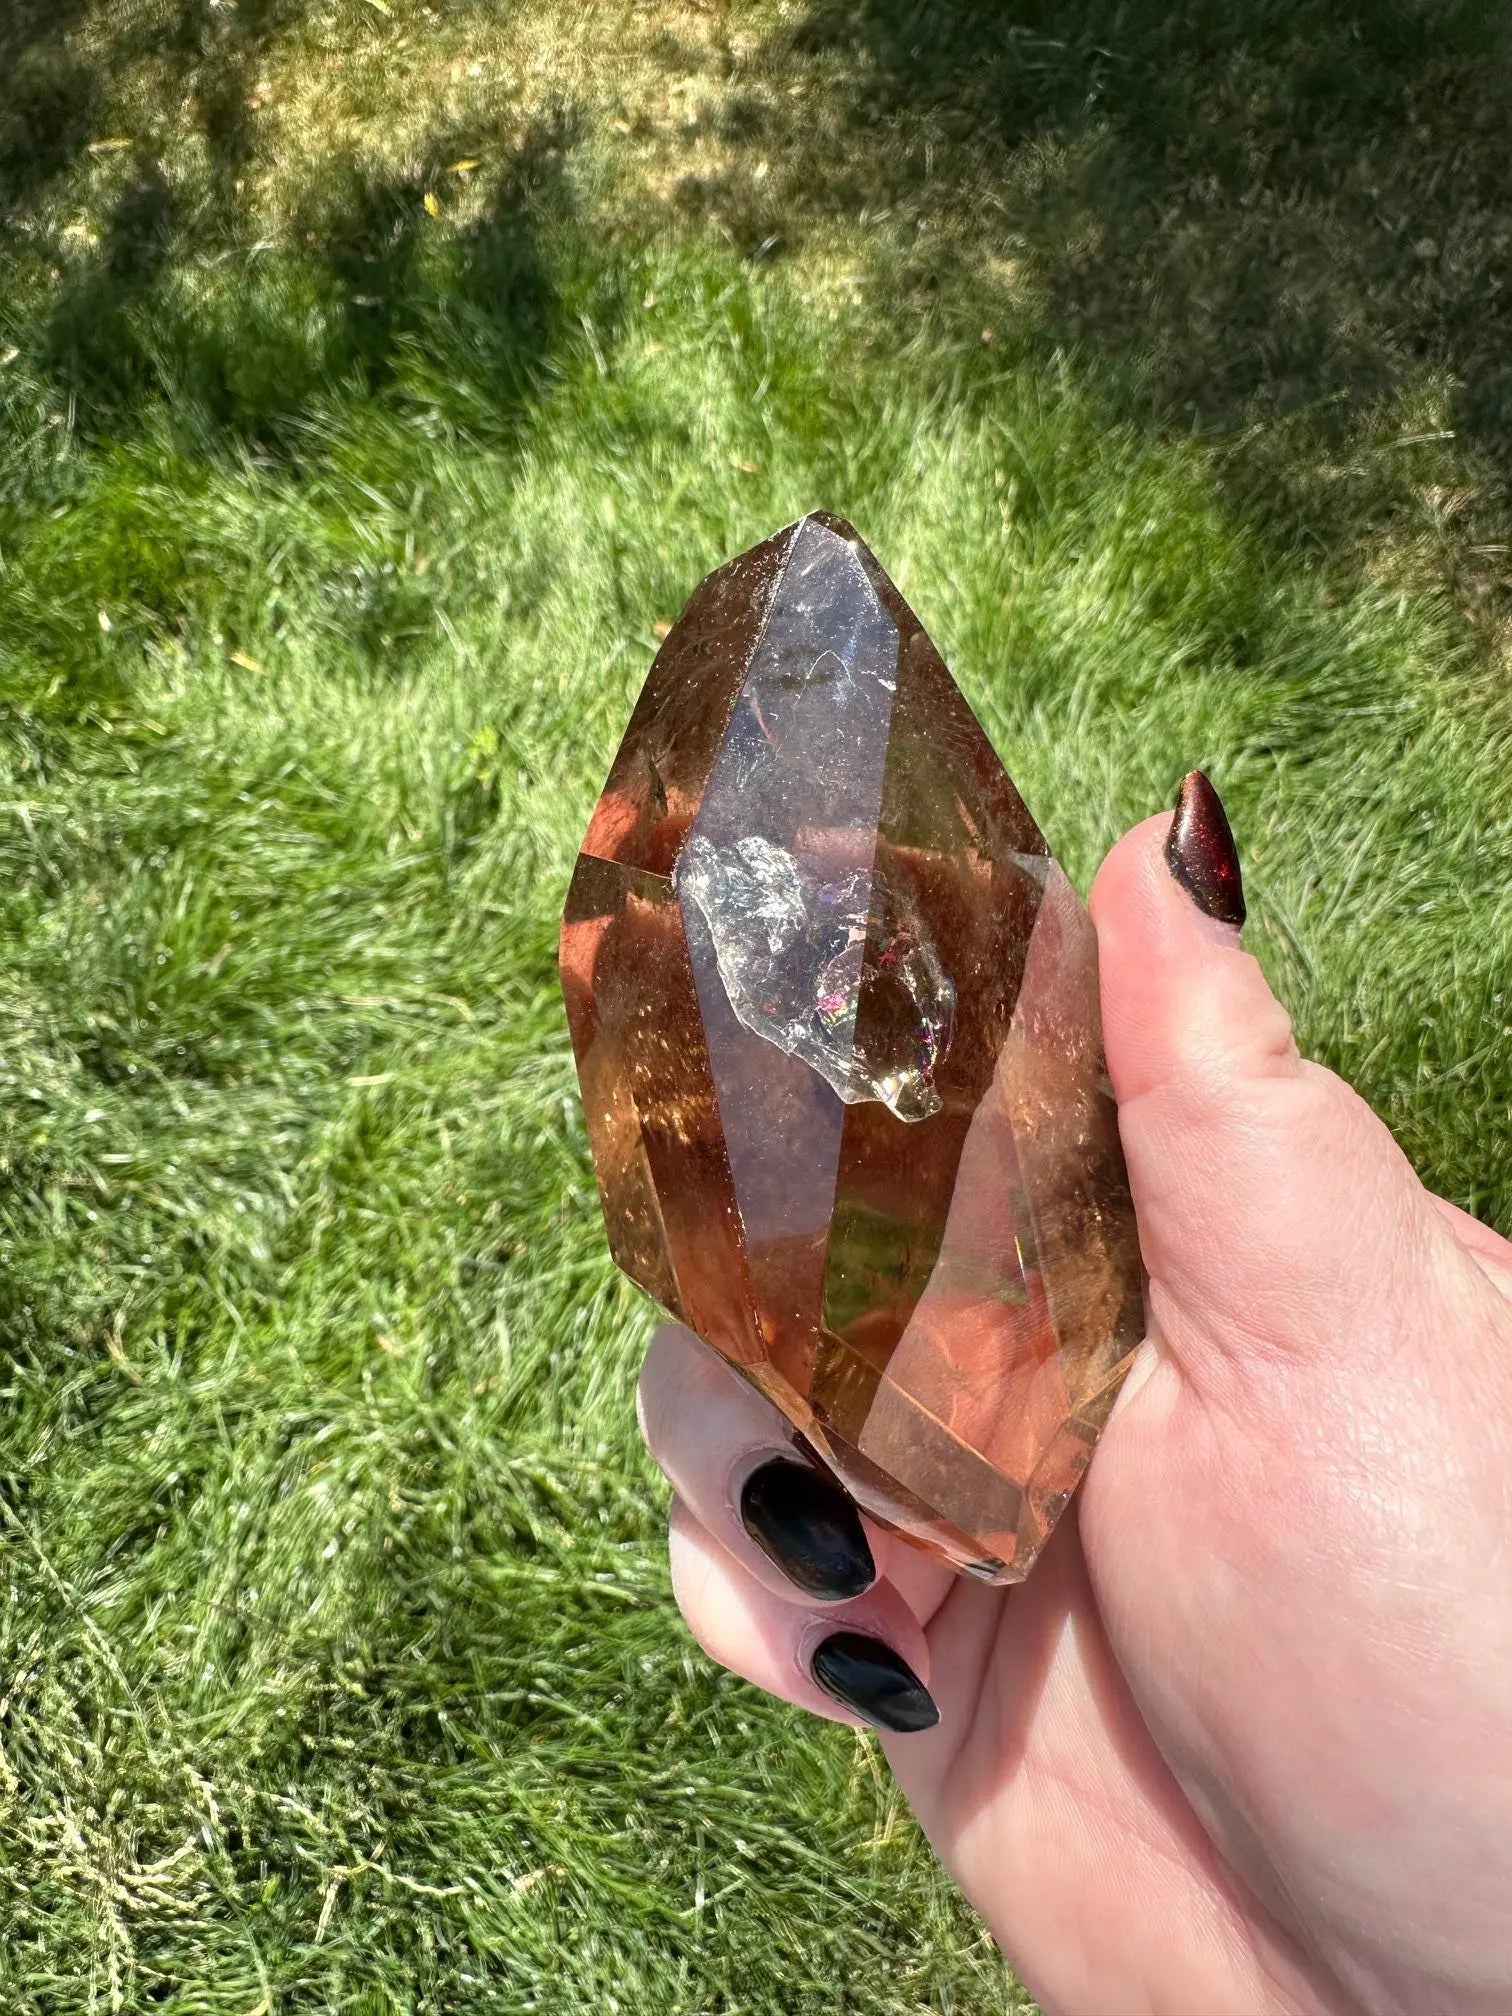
834	1008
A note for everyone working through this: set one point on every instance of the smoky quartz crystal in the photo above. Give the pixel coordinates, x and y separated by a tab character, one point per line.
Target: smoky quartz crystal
834	1007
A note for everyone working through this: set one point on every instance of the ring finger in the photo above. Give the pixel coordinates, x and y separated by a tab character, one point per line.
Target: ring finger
867	1665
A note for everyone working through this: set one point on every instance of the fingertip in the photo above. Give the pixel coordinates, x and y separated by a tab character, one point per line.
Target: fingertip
1265	1188
1182	1001
809	1527
874	1647
868	1676
676	1361
1124	865
1201	854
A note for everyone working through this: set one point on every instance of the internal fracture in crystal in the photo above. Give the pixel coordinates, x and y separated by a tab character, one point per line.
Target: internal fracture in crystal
834	1008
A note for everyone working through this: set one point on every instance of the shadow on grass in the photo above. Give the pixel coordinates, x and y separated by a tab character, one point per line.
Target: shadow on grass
252	342
48	98
58	59
164	291
1292	212
1277	224
152	316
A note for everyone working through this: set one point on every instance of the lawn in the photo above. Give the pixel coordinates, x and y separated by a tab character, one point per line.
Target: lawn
376	381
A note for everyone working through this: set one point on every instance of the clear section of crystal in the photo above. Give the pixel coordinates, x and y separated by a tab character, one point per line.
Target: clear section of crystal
802	758
800	767
790	949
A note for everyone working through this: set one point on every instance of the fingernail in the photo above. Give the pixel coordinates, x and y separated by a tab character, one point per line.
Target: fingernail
806	1523
1201	854
868	1676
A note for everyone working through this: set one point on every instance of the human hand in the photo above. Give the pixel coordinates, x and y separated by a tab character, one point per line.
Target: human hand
1243	1740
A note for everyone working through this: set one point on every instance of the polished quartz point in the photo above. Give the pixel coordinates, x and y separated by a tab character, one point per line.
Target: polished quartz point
834	1007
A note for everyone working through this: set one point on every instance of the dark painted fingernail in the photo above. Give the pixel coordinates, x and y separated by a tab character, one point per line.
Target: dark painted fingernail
869	1676
805	1522
1201	854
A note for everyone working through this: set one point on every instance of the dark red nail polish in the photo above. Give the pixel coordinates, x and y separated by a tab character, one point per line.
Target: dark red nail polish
1201	854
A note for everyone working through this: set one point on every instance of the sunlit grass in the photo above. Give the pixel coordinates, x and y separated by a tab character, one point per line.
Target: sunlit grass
338	1665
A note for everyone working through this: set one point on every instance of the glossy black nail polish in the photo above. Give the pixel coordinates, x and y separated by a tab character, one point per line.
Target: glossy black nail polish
869	1677
1201	854
805	1522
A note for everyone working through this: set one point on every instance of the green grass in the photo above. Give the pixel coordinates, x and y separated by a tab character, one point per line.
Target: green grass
338	1670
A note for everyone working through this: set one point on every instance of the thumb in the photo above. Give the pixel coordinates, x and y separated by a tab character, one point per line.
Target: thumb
1276	1212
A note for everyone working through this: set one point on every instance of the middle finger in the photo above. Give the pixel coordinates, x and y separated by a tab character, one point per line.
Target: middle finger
740	1469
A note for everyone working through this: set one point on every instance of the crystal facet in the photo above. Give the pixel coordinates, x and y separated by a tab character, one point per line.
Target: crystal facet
834	1008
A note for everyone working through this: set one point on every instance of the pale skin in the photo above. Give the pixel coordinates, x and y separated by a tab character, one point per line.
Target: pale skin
1242	1742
